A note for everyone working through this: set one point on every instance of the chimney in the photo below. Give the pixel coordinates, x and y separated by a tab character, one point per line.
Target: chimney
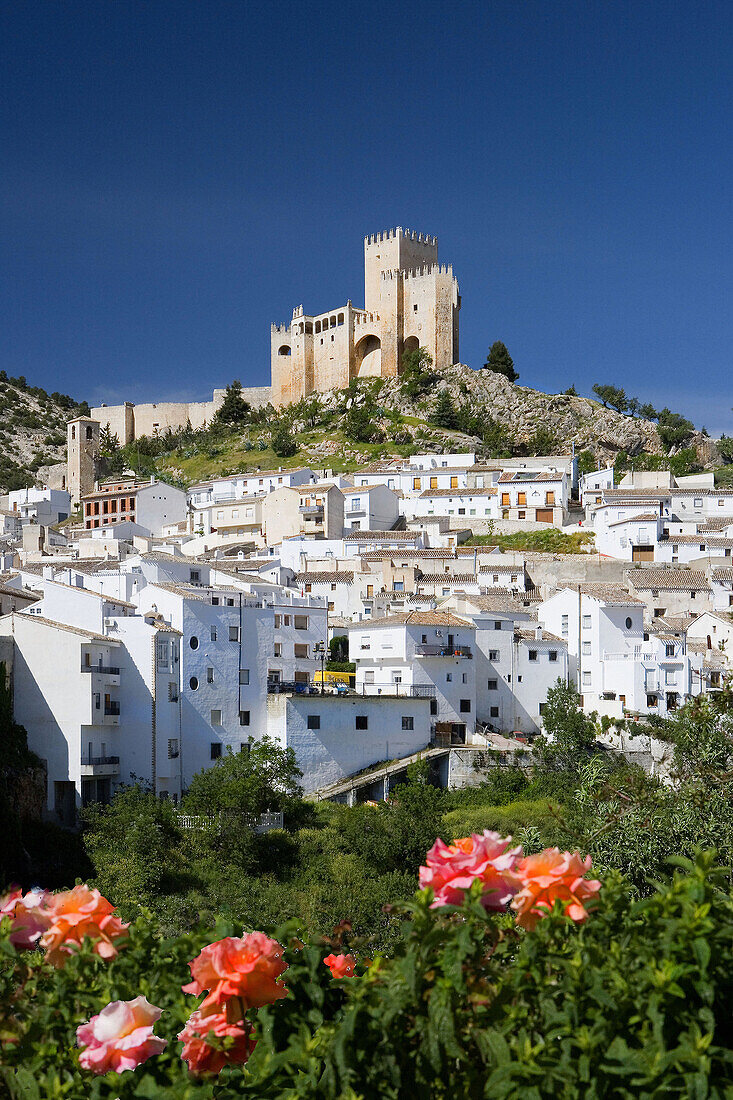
538	633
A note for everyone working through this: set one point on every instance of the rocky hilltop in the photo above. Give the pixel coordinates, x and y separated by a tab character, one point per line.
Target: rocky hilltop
32	431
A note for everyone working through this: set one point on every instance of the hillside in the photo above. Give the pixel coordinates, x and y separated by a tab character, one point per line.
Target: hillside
458	409
32	430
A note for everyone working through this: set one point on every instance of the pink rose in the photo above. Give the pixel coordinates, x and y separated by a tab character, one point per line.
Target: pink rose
486	857
552	876
246	968
212	1042
341	966
120	1037
76	915
29	921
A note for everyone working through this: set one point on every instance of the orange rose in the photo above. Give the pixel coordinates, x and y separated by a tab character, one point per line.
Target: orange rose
341	966
212	1042
451	869
76	915
553	876
246	968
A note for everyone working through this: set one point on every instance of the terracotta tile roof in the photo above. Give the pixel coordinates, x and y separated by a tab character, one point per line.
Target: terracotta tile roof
415	618
498	600
668	579
333	577
723	574
382	536
529	634
718	524
606	593
443	578
643	517
90	634
630	496
458	493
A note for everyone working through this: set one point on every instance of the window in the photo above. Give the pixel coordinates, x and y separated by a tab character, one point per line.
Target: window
215	749
408	722
493	654
233	633
278	621
586	622
533	654
97	700
493	685
670	677
213	634
193	683
370	591
162	654
433	483
465	706
553	654
300	650
669	650
494	712
399	586
195	576
313	722
416	482
651	700
629	622
361	722
244	675
433	706
300	622
172	692
698	502
565	624
369	677
172	748
209	675
244	717
193	642
278	649
497	625
586	679
448	677
586	649
216	717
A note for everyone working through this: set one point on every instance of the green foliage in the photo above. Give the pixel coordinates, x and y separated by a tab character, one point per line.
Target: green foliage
283	442
262	777
543	442
360	424
417	376
234	409
549	540
338	648
684	462
500	361
571	391
444	414
725	446
647	411
587	462
611	396
674	429
571	732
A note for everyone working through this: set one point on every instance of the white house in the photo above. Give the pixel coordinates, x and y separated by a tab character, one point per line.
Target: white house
257	483
475	503
423	653
336	736
44	506
370	508
536	494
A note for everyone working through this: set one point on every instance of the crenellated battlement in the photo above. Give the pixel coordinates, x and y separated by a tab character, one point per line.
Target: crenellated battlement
423	272
280	329
406	234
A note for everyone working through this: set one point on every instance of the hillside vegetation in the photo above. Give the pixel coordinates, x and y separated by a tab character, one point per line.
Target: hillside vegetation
32	430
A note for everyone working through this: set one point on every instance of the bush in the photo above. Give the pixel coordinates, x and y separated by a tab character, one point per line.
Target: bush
509	820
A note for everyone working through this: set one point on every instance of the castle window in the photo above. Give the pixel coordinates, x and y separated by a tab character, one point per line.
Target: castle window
318	326
309	328
331	338
333	322
284	350
415	307
73	432
341	318
89	433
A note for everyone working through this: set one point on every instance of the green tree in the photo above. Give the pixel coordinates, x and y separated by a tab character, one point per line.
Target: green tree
587	462
633	406
444	414
283	442
571	730
500	361
417	376
611	397
725	446
234	409
674	429
108	441
571	391
647	411
543	442
262	777
359	424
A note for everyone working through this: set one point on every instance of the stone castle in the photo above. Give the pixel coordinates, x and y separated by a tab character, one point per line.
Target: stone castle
410	301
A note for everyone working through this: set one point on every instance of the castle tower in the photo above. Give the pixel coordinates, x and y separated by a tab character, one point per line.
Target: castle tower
396	250
82	449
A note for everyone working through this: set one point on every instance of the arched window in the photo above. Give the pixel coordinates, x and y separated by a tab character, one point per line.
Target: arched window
284	350
73	432
318	326
341	318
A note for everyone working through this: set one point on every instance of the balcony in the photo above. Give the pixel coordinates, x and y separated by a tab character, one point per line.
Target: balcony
422	691
100	766
443	651
105	670
310	510
112	708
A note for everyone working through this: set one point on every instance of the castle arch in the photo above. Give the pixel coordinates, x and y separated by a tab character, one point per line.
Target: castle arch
410	344
284	349
368	357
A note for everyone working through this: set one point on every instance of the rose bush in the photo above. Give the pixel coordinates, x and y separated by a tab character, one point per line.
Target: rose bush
626	997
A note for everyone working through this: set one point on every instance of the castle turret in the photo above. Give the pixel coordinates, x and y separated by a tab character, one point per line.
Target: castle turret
82	451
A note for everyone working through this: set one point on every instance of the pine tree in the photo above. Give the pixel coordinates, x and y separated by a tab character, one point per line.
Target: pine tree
234	409
500	361
444	415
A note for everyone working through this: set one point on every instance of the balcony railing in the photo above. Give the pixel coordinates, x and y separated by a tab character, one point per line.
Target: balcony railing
96	761
443	651
106	670
422	691
111	708
311	509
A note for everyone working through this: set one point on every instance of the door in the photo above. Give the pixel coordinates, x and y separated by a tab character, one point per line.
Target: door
544	515
642	553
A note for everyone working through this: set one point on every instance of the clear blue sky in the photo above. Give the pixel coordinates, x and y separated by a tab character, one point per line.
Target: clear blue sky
175	176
